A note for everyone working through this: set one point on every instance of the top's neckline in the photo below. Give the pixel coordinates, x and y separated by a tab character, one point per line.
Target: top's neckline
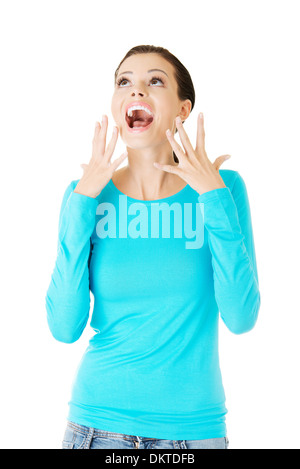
165	199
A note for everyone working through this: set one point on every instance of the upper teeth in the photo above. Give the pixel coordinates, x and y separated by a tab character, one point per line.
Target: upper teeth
135	108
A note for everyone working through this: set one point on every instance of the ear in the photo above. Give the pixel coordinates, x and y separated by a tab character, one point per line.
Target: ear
185	109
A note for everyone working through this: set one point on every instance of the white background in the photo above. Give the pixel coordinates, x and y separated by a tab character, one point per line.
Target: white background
57	64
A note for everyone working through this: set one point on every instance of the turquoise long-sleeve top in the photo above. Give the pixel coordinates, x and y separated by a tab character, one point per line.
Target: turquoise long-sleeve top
161	272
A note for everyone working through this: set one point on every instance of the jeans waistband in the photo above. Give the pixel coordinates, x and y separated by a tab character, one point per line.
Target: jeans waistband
84	430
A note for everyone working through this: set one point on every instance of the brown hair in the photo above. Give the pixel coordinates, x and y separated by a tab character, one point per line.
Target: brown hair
185	87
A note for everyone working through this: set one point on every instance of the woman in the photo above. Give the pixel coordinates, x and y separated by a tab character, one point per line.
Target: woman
150	377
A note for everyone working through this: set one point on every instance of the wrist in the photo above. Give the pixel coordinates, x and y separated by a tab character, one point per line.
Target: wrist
81	189
204	190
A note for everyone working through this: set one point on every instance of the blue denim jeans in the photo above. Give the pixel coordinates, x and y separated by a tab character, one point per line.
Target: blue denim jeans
82	437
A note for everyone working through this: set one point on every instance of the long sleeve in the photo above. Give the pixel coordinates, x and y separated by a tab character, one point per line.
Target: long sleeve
68	295
227	219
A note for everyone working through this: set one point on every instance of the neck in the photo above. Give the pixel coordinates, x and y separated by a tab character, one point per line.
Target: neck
145	179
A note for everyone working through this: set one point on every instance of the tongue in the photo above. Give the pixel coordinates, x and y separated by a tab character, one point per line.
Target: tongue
140	123
141	119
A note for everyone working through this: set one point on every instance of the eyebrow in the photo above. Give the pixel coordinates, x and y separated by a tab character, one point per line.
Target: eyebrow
152	70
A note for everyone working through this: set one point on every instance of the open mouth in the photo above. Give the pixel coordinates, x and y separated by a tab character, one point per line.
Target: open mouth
140	120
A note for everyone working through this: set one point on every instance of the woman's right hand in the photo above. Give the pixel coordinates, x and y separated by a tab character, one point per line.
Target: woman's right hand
99	170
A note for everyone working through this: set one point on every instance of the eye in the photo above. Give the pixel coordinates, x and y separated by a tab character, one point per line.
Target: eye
121	80
157	79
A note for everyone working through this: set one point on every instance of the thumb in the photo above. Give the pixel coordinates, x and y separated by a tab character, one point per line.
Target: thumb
220	160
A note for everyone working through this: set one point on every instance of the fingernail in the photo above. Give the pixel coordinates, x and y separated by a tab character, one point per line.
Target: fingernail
227	157
96	124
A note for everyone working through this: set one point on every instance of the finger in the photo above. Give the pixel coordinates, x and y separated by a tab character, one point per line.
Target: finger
84	166
96	141
102	134
200	141
168	168
220	160
176	147
119	160
111	146
184	137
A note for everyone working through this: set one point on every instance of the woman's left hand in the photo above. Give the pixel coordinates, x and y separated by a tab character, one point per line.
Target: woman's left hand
194	167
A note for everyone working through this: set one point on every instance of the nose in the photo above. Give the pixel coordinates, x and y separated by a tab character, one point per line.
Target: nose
138	91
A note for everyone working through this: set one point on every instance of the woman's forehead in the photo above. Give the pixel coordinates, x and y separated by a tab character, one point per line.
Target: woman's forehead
144	63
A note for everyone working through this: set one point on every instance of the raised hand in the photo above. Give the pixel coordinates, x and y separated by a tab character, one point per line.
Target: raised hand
100	169
194	167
